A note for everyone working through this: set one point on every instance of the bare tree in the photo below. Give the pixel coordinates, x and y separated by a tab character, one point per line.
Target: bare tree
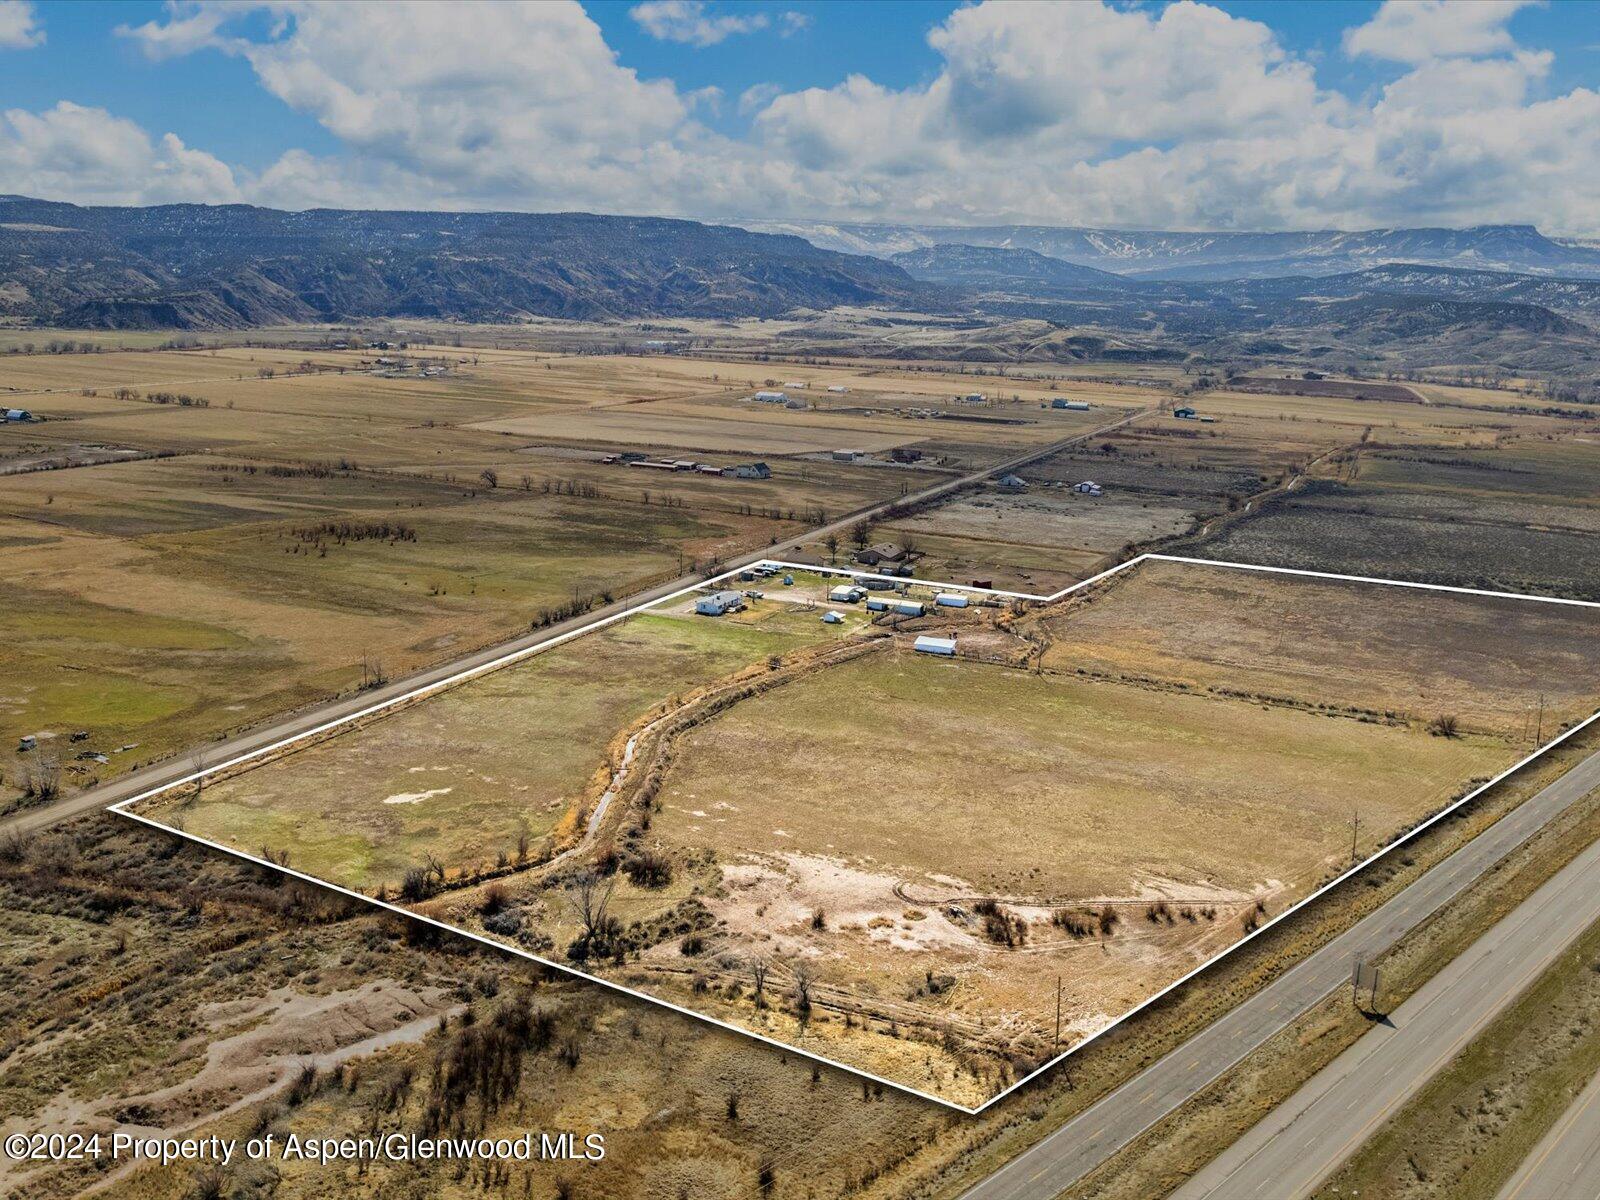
860	535
832	543
804	979
589	896
758	972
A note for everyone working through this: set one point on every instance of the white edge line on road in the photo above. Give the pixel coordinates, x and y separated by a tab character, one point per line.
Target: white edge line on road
122	806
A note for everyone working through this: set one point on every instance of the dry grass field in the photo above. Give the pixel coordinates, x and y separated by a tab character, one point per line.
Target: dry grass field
1383	653
920	846
512	759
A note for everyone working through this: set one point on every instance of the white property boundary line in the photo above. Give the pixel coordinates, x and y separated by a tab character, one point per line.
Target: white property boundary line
121	808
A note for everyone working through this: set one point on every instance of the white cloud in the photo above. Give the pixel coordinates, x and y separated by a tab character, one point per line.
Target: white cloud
791	22
187	29
70	152
19	25
758	96
692	22
1415	31
1065	114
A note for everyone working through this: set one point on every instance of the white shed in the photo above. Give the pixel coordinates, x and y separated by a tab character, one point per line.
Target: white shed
845	593
950	600
832	618
928	644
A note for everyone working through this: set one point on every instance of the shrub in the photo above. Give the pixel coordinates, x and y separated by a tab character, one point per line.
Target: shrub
649	869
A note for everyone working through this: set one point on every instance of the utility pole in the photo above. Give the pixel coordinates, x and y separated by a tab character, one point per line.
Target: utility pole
1057	1047
1355	830
1538	738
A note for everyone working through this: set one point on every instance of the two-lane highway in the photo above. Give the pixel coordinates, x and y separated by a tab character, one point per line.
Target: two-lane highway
295	724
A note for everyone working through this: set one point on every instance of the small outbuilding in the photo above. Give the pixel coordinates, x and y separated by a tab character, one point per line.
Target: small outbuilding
832	618
1185	413
1013	483
1088	488
771	397
845	593
950	600
928	644
718	603
18	414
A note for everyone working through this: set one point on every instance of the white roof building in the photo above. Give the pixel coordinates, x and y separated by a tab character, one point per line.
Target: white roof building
928	644
718	603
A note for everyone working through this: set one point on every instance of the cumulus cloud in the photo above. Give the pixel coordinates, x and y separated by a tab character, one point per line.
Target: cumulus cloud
1414	31
1079	113
691	22
85	154
19	25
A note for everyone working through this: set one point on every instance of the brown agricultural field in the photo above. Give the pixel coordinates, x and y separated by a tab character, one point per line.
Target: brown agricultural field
1380	652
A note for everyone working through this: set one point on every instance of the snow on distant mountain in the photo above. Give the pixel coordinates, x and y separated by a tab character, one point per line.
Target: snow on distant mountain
1157	254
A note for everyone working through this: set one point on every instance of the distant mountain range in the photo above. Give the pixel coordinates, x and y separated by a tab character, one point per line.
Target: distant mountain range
191	266
1156	254
1498	296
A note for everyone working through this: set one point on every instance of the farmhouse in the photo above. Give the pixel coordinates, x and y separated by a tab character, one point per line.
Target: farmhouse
928	644
718	603
755	470
883	552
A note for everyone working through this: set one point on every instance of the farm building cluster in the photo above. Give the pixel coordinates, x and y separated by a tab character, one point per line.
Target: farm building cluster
633	458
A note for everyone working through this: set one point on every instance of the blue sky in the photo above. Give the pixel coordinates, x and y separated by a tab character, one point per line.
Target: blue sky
794	109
